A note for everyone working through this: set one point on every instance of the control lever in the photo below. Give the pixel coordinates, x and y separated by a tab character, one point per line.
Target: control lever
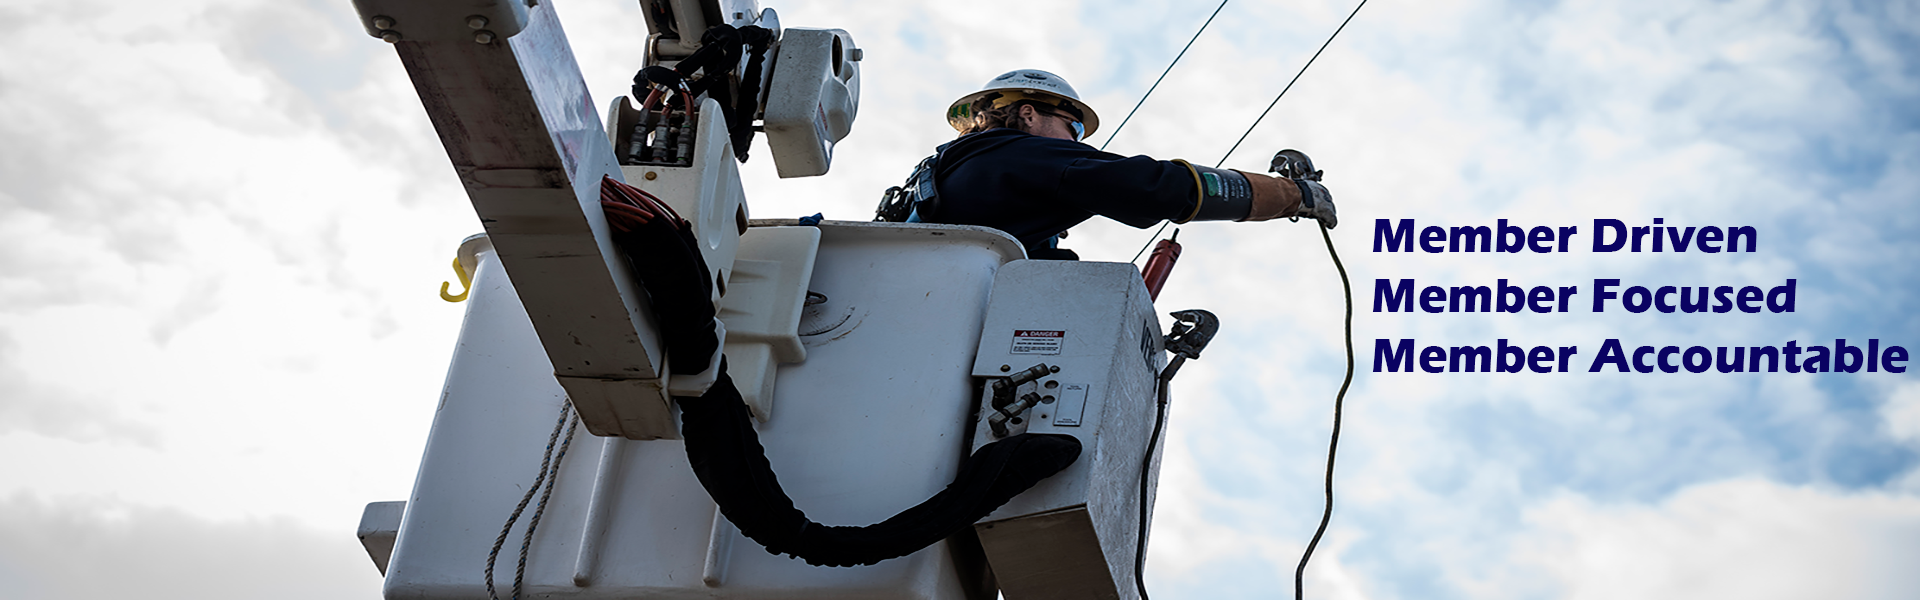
1004	407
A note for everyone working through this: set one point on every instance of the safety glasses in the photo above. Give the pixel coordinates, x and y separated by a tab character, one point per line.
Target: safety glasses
1079	129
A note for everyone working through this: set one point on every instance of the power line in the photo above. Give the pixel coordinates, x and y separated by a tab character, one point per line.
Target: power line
1163	76
1283	91
1333	444
1263	114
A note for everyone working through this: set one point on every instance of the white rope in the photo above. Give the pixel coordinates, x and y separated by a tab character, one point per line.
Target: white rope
549	466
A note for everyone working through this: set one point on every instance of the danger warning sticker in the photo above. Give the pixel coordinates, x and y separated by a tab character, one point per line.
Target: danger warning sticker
1032	341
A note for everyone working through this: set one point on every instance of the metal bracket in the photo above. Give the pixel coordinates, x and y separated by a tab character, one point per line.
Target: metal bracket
443	20
1194	329
1294	164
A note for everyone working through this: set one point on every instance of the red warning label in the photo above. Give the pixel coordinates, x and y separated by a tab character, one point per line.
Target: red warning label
1037	341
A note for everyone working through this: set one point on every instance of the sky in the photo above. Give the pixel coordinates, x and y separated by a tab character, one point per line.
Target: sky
224	223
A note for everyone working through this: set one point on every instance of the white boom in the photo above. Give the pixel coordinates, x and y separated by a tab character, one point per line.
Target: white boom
877	338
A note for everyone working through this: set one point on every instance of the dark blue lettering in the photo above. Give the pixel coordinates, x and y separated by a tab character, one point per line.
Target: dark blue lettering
1504	291
1841	353
1749	299
1433	299
1666	351
1705	362
1722	299
1470	292
1540	239
1433	359
1780	299
1739	359
1735	233
1680	241
1601	295
1773	359
1646	299
1384	233
1433	240
1710	237
1600	229
1470	352
1503	351
1469	234
1504	231
1819	361
1540	299
1395	357
1395	300
1610	354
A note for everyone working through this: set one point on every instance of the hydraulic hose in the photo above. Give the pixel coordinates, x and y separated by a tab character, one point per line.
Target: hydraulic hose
732	465
725	451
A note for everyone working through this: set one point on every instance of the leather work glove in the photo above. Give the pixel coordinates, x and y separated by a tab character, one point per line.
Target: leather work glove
1316	203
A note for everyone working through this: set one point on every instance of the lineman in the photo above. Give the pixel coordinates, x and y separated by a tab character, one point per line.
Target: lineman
1018	166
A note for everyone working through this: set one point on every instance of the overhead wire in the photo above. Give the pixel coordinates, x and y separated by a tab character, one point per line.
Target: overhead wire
1263	114
1140	540
1163	76
1339	401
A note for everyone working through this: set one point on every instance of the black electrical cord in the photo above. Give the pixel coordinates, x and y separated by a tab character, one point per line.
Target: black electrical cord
1163	76
1263	114
1146	464
1333	443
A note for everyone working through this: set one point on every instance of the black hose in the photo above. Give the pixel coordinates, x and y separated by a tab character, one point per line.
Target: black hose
1146	466
726	455
725	451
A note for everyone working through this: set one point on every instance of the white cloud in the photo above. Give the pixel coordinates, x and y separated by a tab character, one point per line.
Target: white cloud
59	548
1741	538
1902	413
223	223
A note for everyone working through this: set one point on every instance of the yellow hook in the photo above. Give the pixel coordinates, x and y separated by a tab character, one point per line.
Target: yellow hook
466	284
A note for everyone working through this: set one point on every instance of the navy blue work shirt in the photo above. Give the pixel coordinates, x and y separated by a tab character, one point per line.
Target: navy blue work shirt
1035	187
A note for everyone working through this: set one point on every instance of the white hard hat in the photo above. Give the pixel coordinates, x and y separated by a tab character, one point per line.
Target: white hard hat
1025	84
